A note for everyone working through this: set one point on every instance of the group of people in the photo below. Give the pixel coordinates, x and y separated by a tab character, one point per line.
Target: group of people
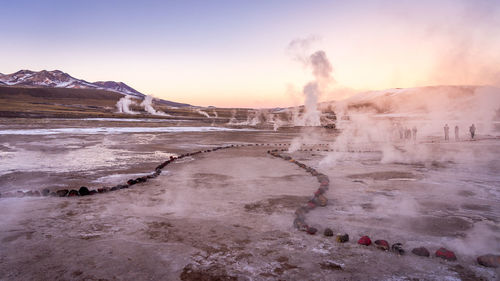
407	133
472	130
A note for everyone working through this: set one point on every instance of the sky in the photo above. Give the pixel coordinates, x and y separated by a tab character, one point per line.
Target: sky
236	53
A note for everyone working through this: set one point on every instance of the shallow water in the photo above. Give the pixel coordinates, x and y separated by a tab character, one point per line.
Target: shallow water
117	130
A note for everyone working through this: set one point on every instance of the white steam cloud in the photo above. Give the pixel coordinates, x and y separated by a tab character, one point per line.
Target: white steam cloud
124	104
202	113
147	103
400	122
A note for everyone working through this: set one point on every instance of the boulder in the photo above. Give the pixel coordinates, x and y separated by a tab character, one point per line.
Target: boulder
301	212
489	260
84	191
342	238
8	195
310	205
382	245
421	251
116	187
398	248
131	182
36	193
300	224
62	192
45	192
328	232
28	193
322	200
365	240
92	192
446	254
102	190
73	193
141	179
320	191
311	230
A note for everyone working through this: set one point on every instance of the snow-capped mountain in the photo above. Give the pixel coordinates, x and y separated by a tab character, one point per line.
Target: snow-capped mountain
59	79
119	87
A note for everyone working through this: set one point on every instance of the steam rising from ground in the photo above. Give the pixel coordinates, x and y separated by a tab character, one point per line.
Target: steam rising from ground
322	72
387	121
147	103
202	113
124	104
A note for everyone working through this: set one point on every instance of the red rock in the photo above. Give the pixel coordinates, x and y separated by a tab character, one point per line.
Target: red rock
320	191
73	193
365	240
102	190
382	245
311	205
300	224
446	254
489	260
421	251
311	230
62	192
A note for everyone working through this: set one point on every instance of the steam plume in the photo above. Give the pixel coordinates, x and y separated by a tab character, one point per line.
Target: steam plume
124	104
202	113
147	103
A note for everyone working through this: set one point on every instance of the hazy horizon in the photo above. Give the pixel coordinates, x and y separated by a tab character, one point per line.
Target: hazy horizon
230	54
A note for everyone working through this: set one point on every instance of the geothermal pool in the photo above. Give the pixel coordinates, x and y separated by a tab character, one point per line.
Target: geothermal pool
229	213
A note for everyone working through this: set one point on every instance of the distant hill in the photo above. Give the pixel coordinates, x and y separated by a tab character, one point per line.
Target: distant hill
59	79
450	101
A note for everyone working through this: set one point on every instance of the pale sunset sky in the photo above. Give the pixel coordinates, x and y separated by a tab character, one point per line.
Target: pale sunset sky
235	53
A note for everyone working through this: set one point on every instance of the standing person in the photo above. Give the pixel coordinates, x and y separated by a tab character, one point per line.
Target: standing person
472	131
456	132
414	131
446	132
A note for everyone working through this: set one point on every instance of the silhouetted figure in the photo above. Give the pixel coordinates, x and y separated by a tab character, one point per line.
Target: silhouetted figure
414	131
446	132
407	134
456	132
472	131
